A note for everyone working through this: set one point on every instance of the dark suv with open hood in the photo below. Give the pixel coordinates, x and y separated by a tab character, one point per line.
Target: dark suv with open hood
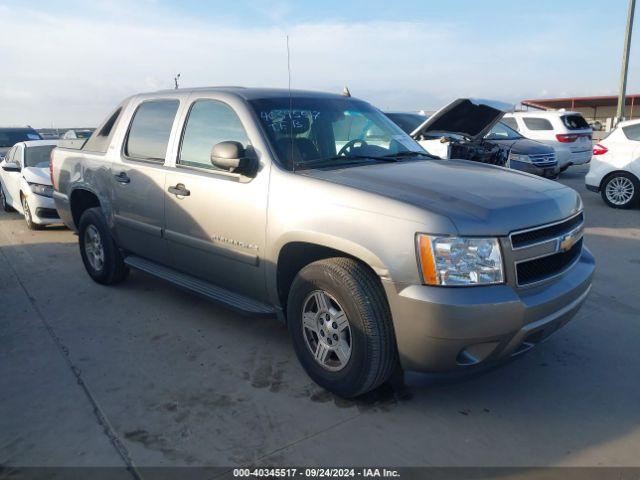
471	129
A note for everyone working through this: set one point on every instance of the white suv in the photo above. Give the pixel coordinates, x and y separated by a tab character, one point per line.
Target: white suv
567	132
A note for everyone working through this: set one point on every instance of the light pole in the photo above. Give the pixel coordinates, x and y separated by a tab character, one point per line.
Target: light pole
625	62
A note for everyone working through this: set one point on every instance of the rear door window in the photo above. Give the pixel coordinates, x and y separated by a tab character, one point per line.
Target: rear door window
150	130
575	122
535	123
632	132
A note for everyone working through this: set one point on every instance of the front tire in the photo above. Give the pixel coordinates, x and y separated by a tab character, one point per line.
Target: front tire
340	326
620	190
101	257
3	201
31	225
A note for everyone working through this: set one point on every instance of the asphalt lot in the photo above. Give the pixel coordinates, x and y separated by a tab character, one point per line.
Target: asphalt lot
149	374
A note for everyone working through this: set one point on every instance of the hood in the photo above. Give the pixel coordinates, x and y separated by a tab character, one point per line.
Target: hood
479	199
524	146
470	117
37	175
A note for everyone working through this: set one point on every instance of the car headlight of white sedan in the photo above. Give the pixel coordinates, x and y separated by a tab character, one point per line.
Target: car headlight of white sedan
39	189
459	260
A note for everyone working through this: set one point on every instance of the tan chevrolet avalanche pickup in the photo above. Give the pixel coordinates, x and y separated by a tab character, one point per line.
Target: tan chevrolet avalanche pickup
318	210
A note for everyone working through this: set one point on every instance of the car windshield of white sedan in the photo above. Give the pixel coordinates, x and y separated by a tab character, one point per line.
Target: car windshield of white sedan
38	156
308	132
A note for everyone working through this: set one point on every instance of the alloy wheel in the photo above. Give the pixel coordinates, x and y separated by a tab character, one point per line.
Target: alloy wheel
326	330
93	248
27	211
619	190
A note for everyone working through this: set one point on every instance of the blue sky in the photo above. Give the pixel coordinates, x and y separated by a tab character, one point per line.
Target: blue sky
69	61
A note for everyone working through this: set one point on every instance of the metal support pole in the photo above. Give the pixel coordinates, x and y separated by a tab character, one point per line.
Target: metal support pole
625	62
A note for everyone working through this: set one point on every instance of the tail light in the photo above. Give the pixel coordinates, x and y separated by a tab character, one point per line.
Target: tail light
567	137
53	184
599	149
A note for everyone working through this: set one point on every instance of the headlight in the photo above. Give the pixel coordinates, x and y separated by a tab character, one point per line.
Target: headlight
519	158
459	260
44	190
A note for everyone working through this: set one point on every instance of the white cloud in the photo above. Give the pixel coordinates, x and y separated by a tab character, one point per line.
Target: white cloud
60	69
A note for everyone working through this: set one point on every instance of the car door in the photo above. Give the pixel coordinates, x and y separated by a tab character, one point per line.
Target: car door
631	134
138	180
215	219
12	179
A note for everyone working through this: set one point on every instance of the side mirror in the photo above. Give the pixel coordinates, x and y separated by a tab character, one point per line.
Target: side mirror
231	156
11	167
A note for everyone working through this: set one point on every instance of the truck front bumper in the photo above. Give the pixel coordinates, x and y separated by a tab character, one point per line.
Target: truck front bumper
442	329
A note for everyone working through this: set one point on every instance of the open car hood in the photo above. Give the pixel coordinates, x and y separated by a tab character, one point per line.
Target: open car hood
470	117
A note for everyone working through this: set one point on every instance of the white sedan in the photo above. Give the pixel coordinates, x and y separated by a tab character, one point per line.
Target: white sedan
615	166
25	183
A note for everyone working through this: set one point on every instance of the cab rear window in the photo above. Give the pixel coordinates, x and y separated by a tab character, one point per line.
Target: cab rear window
575	122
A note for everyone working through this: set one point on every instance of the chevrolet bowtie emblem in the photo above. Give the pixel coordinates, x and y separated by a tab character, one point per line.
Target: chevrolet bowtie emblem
567	241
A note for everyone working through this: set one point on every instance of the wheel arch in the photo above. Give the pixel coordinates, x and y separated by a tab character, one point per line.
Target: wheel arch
613	172
295	252
80	200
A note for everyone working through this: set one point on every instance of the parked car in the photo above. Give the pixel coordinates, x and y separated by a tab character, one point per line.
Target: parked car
567	132
75	138
499	146
407	121
615	167
79	133
376	255
25	183
9	136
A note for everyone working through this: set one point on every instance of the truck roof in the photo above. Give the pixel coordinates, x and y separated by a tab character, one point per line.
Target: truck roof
246	93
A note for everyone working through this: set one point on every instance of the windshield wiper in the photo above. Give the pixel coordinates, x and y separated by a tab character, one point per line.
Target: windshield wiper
410	154
322	162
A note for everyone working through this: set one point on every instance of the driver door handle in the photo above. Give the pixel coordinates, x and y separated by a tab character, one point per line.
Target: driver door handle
179	190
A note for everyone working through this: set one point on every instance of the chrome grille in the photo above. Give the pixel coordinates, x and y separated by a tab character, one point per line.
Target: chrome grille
531	236
543	252
543	159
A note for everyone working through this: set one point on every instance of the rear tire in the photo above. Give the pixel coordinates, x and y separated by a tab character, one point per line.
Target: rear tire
350	294
620	190
3	201
100	254
31	225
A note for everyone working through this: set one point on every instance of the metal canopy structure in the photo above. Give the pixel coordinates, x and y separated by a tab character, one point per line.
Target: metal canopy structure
606	105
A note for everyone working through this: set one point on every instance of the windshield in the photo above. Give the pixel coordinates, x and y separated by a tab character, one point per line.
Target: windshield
328	132
10	136
407	121
38	156
502	132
